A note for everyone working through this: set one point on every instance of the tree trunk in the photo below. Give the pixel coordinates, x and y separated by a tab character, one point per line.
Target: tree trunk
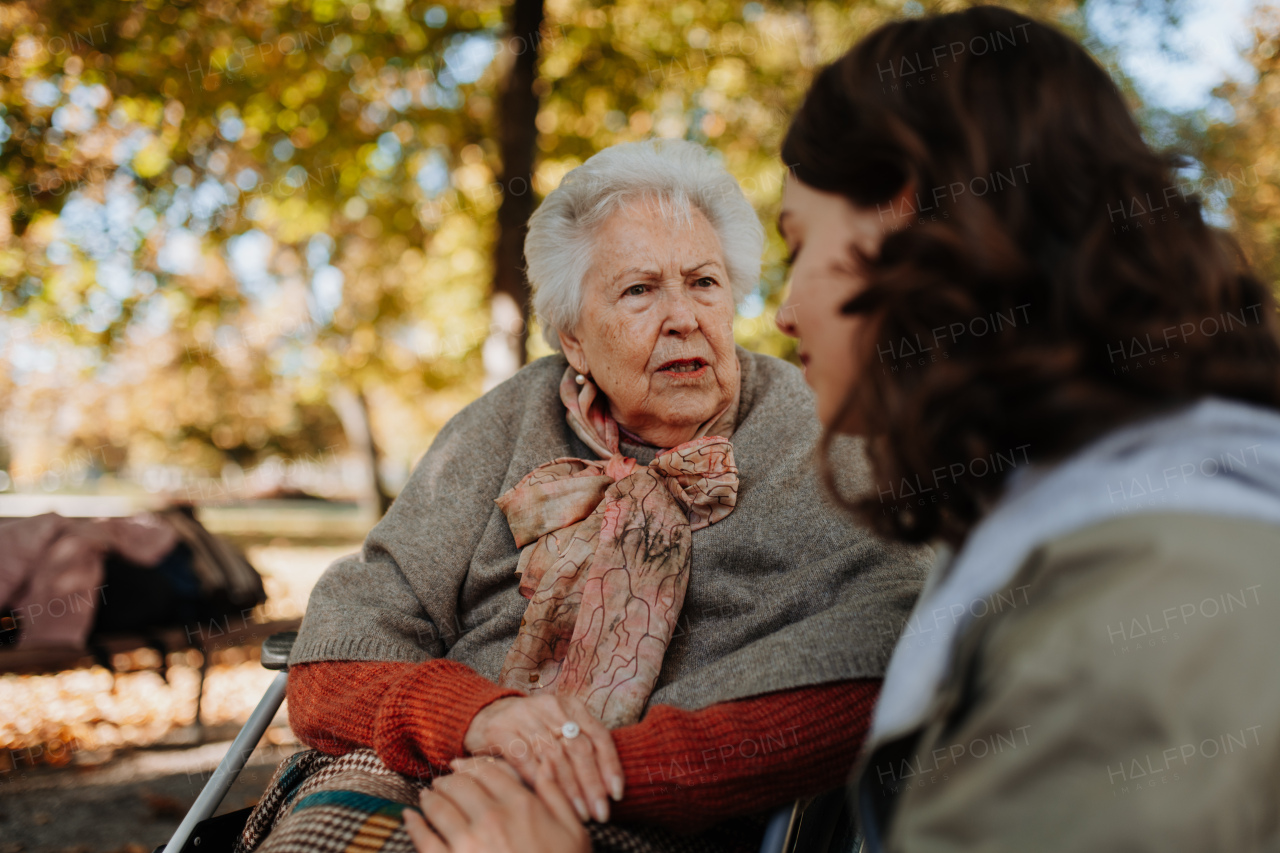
504	350
352	410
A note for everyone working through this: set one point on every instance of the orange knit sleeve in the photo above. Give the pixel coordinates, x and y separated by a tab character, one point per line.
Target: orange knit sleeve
686	770
414	716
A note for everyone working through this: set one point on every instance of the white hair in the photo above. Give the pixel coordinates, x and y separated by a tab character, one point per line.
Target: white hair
678	175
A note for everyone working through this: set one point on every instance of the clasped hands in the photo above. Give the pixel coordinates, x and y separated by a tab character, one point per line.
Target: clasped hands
518	744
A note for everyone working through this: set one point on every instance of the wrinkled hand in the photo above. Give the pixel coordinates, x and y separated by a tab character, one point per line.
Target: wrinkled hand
483	807
525	730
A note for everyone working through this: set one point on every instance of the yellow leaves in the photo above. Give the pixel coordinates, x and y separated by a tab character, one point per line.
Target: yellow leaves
412	36
324	10
464	260
293	97
64	293
298	220
472	177
11	262
411	262
152	159
224	58
559	10
779	41
596	101
590	18
225	436
90	709
479	107
365	339
301	137
68	278
684	14
43	228
27	54
558	65
141	110
547	120
313	83
728	77
349	177
1244	155
403	131
258	114
671	126
404	218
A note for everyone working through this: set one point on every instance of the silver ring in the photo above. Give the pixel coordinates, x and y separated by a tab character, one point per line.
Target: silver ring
570	730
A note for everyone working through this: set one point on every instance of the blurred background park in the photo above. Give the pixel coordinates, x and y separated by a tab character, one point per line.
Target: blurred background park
255	253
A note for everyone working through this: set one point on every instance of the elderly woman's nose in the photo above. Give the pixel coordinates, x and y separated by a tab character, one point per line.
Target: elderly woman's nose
681	318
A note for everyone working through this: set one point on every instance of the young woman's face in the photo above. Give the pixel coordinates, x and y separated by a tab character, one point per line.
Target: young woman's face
821	230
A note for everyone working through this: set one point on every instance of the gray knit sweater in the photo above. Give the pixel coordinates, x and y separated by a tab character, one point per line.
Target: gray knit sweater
785	592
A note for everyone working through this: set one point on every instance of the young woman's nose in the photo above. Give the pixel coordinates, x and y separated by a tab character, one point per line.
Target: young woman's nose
785	319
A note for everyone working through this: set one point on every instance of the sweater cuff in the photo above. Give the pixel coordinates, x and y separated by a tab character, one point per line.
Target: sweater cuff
424	717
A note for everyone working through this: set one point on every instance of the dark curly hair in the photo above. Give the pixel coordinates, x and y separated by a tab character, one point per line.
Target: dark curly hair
1053	281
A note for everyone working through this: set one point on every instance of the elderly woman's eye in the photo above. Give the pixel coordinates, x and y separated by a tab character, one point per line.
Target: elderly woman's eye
636	290
706	281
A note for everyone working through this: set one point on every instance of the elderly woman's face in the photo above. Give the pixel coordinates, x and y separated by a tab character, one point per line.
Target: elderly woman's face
656	328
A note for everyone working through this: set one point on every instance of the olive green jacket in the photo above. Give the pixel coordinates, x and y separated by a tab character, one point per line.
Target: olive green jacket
1122	694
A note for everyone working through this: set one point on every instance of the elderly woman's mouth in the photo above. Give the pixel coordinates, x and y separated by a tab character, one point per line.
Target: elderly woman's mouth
690	367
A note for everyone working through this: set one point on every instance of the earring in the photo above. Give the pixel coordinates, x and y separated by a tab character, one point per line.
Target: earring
581	380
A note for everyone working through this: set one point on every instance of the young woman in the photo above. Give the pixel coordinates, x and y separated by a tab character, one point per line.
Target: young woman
1065	375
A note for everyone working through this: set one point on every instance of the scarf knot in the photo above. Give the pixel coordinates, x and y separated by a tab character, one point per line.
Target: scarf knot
605	554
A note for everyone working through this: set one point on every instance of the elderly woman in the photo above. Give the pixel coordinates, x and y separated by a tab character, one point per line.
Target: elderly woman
615	574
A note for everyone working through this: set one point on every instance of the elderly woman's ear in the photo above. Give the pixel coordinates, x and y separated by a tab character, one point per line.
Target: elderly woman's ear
572	348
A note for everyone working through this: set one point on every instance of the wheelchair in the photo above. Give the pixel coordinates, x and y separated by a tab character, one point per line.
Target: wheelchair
821	824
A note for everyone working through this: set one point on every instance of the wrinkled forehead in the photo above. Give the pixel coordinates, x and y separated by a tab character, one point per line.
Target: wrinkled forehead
666	236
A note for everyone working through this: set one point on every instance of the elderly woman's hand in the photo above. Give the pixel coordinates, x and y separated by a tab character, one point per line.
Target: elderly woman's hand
529	733
484	808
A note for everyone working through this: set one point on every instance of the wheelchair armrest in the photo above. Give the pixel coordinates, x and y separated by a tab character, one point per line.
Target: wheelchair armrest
276	648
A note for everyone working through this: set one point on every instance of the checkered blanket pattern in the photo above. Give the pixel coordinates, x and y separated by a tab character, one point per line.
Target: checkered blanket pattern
320	803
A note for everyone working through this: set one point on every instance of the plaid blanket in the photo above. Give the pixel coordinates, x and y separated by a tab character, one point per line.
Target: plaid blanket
321	803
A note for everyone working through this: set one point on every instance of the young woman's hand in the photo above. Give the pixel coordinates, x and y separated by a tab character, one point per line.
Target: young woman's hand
527	731
484	807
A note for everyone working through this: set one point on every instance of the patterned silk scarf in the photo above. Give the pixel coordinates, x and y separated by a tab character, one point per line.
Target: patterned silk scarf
605	553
